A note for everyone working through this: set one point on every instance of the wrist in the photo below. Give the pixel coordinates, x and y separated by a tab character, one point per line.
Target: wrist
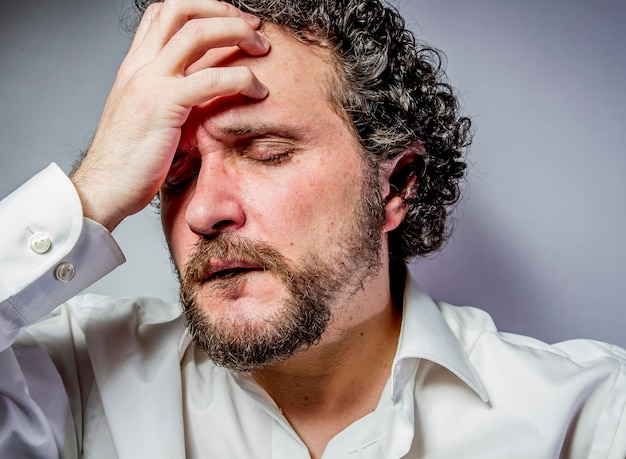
96	206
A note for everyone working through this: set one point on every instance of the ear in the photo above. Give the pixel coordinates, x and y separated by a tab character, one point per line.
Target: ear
401	181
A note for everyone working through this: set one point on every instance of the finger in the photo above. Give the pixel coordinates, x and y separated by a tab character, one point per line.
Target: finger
149	16
174	14
199	35
139	54
163	19
207	84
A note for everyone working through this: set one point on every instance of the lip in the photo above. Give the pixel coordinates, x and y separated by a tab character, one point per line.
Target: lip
226	268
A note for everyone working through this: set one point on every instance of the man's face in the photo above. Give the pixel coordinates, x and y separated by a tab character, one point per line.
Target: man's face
272	219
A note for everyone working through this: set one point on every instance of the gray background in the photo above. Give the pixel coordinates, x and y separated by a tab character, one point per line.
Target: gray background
539	234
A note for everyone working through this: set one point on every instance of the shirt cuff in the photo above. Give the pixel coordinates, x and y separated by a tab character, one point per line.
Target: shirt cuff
48	251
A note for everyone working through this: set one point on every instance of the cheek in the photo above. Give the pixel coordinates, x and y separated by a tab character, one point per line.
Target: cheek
273	206
175	229
306	206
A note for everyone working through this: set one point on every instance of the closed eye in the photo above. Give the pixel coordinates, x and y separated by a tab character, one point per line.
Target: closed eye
184	169
268	152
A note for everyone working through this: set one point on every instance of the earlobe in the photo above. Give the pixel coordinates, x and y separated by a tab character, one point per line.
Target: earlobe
395	211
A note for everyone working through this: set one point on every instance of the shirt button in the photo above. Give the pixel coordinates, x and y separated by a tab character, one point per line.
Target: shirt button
64	272
40	243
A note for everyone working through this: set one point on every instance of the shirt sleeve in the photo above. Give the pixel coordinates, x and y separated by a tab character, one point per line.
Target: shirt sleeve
48	251
610	436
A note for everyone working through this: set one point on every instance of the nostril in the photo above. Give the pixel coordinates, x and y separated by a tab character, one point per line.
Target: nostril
222	224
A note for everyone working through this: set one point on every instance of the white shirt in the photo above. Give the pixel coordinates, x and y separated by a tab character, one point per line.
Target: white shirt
119	377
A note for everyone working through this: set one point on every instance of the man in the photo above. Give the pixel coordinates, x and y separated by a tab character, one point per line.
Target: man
300	151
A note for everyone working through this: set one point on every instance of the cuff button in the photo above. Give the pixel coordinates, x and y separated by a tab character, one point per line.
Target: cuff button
40	243
64	272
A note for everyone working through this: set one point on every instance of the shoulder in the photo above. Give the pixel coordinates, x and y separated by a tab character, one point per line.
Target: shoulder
580	384
475	329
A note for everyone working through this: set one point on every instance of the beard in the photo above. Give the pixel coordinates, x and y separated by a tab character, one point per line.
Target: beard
312	288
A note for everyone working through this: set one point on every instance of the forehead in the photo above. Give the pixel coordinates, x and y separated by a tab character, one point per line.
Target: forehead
299	77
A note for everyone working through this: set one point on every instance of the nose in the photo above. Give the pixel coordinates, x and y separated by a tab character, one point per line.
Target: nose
216	202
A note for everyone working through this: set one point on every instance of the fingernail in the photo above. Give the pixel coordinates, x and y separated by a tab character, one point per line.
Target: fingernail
264	42
261	90
264	91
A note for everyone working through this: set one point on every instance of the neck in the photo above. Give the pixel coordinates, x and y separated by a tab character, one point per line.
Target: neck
339	380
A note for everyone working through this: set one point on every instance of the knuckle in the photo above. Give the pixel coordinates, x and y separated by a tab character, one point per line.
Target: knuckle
137	84
224	9
214	82
240	26
153	8
193	31
170	5
124	72
172	11
212	78
245	75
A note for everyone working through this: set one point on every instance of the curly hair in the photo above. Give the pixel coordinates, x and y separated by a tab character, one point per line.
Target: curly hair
394	92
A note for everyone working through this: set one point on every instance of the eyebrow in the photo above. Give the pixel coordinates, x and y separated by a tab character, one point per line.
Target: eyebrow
260	130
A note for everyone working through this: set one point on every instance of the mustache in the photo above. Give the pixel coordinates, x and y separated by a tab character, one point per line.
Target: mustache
228	248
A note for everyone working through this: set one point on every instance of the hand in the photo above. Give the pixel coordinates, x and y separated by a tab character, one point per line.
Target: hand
156	87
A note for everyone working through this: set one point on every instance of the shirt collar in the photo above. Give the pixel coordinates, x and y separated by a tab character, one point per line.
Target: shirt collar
426	335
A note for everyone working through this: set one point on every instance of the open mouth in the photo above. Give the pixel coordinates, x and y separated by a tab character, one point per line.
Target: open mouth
228	269
231	272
